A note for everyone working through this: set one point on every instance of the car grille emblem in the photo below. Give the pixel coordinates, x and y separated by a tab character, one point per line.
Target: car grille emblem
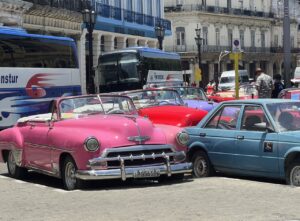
139	139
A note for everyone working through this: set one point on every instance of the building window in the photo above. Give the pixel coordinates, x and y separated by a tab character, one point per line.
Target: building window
129	5
118	3
180	36
229	4
127	43
275	40
102	41
292	42
252	33
115	43
205	35
263	43
158	8
242	38
217	36
140	6
229	37
149	7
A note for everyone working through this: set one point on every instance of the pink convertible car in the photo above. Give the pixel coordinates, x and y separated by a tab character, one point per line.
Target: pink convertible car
93	138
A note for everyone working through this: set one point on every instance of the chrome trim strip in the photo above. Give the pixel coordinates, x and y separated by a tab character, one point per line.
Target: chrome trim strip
43	171
117	174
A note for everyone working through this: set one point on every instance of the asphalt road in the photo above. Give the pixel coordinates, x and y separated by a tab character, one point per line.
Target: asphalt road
218	198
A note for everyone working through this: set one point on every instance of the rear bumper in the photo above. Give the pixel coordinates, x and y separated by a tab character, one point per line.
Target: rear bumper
124	173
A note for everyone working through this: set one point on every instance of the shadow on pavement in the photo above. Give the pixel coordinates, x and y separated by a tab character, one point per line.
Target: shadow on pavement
52	182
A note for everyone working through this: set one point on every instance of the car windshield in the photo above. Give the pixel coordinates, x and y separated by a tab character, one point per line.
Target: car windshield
191	93
148	98
225	80
286	115
75	107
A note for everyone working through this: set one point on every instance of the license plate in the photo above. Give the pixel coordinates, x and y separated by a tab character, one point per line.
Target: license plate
145	173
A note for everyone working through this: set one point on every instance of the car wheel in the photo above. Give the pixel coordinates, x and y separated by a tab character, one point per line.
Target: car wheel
293	174
68	175
201	165
13	169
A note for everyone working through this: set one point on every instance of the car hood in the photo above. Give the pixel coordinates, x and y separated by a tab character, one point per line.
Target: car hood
116	131
180	116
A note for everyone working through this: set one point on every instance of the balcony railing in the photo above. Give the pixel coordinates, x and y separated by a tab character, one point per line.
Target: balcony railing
218	49
216	9
107	11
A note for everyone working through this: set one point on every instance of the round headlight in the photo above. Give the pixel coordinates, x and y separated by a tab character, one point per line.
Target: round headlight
183	138
91	144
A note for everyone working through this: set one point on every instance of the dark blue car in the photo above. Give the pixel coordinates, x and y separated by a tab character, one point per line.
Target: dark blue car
249	137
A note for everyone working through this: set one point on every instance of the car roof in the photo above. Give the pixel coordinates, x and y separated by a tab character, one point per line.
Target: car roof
260	101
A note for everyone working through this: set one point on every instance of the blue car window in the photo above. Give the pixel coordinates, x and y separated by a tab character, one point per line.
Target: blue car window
253	118
226	118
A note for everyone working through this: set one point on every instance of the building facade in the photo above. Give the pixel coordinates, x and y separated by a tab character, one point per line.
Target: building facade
256	24
119	23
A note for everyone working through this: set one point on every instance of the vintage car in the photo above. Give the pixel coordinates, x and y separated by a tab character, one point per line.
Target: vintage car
93	138
195	97
290	93
246	91
259	137
165	106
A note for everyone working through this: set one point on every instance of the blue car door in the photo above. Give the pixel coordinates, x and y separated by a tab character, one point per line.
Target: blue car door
219	134
257	149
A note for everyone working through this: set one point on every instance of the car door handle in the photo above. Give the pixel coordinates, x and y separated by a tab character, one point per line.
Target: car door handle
202	134
240	137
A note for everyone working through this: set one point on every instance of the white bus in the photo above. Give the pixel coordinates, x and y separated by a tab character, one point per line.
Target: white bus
34	69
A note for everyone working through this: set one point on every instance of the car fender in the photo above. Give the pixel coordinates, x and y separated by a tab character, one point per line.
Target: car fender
291	154
12	139
195	146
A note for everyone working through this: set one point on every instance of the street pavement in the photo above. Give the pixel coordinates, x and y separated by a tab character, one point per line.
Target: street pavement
217	198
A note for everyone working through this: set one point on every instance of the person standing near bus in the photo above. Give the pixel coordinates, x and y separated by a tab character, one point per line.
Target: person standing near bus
278	86
264	84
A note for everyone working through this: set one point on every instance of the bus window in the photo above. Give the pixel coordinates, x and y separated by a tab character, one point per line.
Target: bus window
128	68
109	70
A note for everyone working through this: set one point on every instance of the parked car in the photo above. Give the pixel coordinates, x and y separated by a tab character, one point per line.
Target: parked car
195	97
165	106
93	138
227	79
246	91
250	137
290	93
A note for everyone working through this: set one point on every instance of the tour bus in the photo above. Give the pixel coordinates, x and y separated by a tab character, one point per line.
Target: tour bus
33	70
137	67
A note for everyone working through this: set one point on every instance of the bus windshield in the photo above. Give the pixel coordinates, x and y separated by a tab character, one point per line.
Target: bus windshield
134	68
34	69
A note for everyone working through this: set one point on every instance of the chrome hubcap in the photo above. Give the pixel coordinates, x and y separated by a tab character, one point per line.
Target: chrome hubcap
295	176
70	175
11	163
200	167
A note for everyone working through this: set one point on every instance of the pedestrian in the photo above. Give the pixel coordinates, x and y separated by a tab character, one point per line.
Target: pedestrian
264	84
193	84
278	86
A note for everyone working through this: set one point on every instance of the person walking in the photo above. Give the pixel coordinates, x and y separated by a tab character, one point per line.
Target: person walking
264	84
278	86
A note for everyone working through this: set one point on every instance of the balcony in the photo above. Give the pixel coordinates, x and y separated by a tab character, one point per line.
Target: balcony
219	10
107	11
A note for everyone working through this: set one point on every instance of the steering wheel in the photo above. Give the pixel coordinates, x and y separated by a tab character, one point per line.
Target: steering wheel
115	111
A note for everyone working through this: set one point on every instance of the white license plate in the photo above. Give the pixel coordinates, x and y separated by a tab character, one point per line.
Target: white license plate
145	173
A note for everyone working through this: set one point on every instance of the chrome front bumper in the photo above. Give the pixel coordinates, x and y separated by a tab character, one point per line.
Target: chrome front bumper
128	172
168	168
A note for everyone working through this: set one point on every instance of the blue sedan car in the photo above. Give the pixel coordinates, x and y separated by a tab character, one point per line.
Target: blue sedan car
249	137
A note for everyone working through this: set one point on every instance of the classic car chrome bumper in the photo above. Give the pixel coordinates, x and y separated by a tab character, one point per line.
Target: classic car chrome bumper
143	171
129	172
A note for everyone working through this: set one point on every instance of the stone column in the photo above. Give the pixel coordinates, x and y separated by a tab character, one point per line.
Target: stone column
211	71
247	67
109	42
96	53
121	42
269	70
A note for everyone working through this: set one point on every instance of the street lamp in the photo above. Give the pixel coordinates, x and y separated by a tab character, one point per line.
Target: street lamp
89	19
160	34
222	55
198	40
